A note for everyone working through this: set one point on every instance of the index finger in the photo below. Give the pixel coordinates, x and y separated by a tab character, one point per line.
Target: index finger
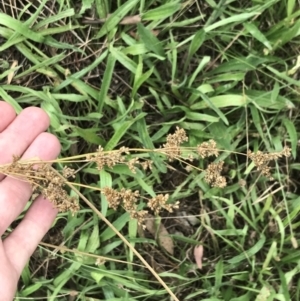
21	132
7	115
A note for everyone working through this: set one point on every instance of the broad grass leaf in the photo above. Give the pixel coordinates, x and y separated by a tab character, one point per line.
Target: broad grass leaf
201	117
191	115
257	34
148	143
31	289
86	4
115	18
290	7
284	282
206	88
132	231
93	240
222	101
20	28
241	64
121	281
106	81
272	253
150	40
43	22
284	76
101	7
140	81
233	19
211	105
275	92
119	224
264	100
204	61
64	277
290	127
89	135
10	100
136	49
162	12
123	59
257	122
196	43
219	273
146	187
120	132
105	181
249	253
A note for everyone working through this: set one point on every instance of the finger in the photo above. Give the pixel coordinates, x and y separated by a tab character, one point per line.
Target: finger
15	193
7	115
21	132
29	233
8	277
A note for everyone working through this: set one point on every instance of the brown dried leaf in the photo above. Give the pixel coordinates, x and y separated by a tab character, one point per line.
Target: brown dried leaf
198	255
131	20
125	21
161	234
294	242
135	35
11	75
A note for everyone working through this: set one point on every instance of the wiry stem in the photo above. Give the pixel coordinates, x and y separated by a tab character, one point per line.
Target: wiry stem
126	242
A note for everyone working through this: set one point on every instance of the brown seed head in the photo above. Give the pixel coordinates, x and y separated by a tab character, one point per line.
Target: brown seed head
172	147
261	160
213	175
208	149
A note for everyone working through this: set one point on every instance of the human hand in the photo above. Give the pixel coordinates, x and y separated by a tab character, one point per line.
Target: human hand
22	136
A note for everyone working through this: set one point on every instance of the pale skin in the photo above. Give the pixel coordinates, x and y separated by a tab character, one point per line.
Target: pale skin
23	135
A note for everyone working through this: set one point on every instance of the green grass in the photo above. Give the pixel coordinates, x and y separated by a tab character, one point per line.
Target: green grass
225	70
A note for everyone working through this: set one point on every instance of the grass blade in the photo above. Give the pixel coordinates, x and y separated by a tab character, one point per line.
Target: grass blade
115	18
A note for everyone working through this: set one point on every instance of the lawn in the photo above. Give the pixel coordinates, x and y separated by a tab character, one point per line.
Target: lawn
179	121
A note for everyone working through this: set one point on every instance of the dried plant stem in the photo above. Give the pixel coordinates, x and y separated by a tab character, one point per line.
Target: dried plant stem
65	249
126	242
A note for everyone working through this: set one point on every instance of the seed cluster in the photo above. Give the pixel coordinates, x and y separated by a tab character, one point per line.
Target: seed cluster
172	148
159	202
46	181
52	185
262	160
128	199
111	158
208	149
213	175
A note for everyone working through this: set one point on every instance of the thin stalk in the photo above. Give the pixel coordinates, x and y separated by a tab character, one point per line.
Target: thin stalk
109	224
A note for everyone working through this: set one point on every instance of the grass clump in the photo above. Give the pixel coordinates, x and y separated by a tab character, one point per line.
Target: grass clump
157	105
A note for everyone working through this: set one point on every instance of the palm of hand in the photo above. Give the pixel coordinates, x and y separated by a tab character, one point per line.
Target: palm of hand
22	136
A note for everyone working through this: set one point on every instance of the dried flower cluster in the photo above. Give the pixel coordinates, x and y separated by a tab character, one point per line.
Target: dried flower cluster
159	202
128	199
44	180
172	147
213	171
262	160
111	158
208	149
213	175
